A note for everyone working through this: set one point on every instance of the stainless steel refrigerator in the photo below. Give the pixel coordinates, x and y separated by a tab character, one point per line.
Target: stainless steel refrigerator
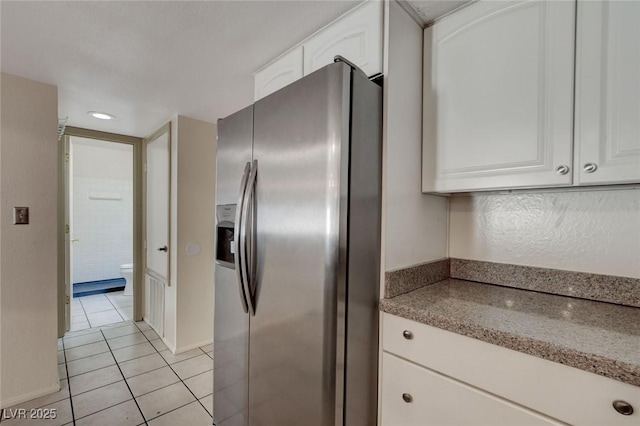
298	197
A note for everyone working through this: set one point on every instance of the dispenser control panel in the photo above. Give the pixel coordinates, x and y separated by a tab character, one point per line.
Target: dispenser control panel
225	238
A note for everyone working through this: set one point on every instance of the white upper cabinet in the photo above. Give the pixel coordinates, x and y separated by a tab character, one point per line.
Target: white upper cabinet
498	97
281	72
608	92
356	36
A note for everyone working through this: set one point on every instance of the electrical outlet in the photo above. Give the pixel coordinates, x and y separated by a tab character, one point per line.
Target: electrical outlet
21	215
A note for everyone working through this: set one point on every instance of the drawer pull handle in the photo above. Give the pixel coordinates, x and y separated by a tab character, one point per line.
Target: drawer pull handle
623	407
407	334
407	397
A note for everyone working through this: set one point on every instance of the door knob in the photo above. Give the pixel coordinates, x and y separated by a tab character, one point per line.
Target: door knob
165	249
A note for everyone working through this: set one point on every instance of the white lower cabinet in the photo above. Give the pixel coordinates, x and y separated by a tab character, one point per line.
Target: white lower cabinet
415	396
452	379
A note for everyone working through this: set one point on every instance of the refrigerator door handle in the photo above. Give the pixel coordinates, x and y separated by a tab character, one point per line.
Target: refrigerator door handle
238	260
248	270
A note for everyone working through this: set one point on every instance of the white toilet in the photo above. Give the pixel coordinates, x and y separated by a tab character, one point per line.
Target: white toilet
126	271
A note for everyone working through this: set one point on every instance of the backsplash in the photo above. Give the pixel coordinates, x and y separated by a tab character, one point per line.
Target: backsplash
404	280
602	288
595	231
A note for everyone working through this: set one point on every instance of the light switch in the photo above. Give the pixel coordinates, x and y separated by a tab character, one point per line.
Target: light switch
21	215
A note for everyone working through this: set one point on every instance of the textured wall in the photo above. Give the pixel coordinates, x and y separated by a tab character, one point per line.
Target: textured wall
28	253
596	231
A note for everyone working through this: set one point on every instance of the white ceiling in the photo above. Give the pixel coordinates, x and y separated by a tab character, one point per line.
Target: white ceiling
146	61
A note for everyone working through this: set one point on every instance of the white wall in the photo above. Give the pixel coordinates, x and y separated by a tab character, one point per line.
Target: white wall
596	232
28	253
189	299
104	227
196	223
415	224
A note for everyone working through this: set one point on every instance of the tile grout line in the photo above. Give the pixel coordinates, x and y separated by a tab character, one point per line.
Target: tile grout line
83	310
125	380
181	381
86	331
66	370
91	343
115	308
110	350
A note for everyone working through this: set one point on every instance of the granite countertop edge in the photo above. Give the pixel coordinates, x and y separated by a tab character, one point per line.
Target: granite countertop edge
601	365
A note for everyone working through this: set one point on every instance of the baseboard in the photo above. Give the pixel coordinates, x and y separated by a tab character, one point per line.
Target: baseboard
174	349
193	346
10	402
169	345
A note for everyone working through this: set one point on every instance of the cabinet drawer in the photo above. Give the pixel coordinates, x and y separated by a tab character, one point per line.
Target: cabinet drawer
564	393
432	399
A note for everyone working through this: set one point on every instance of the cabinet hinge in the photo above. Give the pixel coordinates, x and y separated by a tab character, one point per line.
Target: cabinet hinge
67	300
66	229
66	157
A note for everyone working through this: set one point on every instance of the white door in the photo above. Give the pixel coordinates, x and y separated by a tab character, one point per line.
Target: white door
608	92
68	266
157	205
500	93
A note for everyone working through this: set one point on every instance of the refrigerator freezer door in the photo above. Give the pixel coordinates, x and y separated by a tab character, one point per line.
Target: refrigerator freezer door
301	143
231	323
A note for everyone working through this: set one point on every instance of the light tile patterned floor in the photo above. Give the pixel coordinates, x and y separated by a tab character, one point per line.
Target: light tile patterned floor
124	375
102	309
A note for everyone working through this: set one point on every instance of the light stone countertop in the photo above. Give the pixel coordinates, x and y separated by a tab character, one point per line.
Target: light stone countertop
598	337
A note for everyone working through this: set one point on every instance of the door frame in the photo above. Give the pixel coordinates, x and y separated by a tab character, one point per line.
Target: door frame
138	247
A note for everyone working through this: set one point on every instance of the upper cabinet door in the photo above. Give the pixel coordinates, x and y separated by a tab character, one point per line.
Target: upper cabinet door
275	76
498	97
608	92
356	36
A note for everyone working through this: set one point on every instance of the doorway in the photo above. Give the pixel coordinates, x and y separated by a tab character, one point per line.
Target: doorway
102	233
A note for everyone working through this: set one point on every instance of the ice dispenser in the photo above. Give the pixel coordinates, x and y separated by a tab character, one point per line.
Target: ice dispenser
225	248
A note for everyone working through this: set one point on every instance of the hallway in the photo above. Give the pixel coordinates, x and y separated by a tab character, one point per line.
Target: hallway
124	375
101	309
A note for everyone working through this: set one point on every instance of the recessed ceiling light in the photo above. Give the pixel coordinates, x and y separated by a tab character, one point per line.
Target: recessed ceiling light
101	115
